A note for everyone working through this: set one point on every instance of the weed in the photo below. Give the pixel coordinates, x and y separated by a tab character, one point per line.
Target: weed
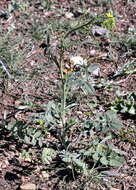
57	114
74	153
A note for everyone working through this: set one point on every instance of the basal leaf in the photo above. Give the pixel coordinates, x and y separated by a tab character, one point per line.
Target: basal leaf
117	161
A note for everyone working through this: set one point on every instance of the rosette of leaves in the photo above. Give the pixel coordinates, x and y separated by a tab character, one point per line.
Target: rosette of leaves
74	160
104	153
25	133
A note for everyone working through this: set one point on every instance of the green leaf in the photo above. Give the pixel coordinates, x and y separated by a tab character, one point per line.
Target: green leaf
81	165
40	142
88	152
96	156
118	161
112	120
106	138
104	160
10	125
87	88
34	141
92	67
71	106
37	134
132	110
48	154
110	115
124	109
71	122
116	150
126	104
101	149
116	124
27	139
68	156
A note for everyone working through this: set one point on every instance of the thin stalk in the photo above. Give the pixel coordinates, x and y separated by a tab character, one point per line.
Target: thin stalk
64	96
63	104
61	63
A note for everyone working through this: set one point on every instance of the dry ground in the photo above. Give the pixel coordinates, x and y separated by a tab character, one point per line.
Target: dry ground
35	79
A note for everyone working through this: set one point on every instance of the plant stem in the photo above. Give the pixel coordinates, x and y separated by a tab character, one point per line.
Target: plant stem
63	104
63	87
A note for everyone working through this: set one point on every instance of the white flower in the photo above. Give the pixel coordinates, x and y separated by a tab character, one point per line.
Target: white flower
78	60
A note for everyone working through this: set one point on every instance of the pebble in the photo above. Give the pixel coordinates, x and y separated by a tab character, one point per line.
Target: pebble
28	186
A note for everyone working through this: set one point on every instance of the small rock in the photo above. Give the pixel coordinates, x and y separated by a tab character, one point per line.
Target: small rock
93	52
4	164
49	13
79	113
112	188
28	186
69	15
44	175
99	31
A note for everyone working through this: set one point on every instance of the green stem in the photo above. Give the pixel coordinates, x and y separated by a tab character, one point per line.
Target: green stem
64	80
63	105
